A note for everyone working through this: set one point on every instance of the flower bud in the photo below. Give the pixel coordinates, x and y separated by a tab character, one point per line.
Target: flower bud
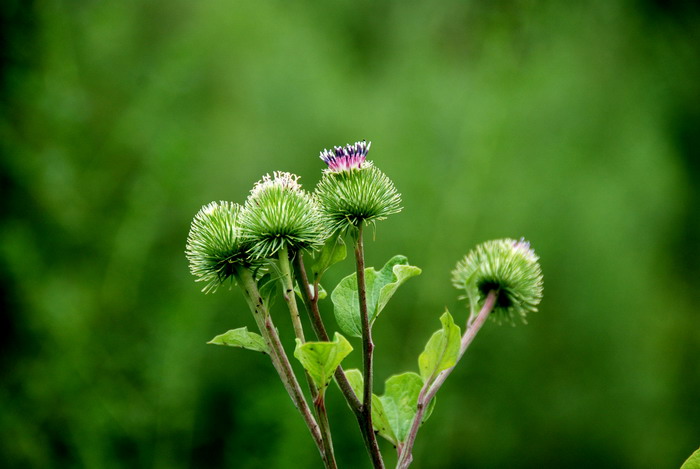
214	245
509	268
280	213
352	190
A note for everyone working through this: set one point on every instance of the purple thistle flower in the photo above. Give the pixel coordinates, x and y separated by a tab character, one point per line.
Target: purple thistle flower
347	157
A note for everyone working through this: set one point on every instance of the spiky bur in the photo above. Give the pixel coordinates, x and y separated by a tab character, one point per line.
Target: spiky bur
352	190
280	213
214	244
508	267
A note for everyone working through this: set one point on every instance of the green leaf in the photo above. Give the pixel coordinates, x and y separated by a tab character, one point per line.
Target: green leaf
400	402
357	384
693	462
399	274
380	287
320	359
332	252
380	422
442	350
346	306
267	286
241	338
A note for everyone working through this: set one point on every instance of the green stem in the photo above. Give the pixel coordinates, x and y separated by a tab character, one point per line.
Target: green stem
427	393
290	298
288	293
367	352
311	302
320	405
278	356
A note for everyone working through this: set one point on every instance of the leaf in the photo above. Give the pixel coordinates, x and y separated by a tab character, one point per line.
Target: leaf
380	287
401	273
380	422
332	252
693	462
356	381
346	306
241	338
442	350
320	359
267	286
400	402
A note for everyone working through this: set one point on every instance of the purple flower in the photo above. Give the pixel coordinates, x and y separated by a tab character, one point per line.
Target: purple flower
347	157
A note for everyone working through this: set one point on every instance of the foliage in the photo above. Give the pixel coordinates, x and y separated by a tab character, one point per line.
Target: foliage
693	462
320	359
381	286
575	124
279	216
241	337
442	350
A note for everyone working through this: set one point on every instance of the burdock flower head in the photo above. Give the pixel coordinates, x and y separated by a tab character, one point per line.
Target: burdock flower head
507	267
214	245
278	214
352	190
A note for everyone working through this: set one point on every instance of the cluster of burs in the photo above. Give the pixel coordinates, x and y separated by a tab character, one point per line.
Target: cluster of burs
282	240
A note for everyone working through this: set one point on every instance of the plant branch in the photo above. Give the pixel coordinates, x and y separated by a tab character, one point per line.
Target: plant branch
290	298
288	293
367	352
278	356
311	304
310	295
427	393
320	405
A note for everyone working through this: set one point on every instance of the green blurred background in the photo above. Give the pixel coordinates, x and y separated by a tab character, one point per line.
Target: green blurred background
574	124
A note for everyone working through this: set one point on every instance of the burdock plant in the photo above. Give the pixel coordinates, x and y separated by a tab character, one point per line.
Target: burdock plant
280	215
261	247
214	246
352	191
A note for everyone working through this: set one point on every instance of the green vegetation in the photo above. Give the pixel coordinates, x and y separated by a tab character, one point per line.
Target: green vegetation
572	124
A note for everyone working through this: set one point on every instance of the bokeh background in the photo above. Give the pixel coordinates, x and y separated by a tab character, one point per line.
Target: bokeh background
574	124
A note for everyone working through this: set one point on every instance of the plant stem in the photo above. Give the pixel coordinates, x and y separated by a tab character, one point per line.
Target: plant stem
290	298
278	356
427	393
311	302
320	405
288	293
367	351
326	451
